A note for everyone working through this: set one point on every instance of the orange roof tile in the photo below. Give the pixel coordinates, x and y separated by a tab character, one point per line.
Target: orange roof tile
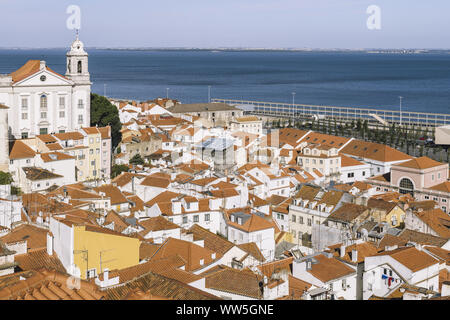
420	163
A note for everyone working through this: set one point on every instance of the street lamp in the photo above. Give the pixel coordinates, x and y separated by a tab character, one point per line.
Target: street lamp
400	110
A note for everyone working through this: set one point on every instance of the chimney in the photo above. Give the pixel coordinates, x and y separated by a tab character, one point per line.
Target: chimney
213	255
342	250
354	255
105	275
42	65
49	244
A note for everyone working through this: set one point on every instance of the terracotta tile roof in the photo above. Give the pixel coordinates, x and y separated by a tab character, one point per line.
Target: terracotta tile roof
224	193
328	269
119	224
349	161
55	156
344	187
20	150
444	187
47	138
203	181
411	258
252	249
297	287
241	282
160	286
125	178
147	250
420	163
256	201
190	252
163	197
157	180
347	212
390	240
437	220
158	266
269	268
76	193
36	237
113	193
276	199
382	177
380	204
211	240
36	174
362	186
29	68
91	130
138	203
37	259
307	192
325	139
365	249
157	224
54	146
252	224
440	253
73	135
422	238
374	151
45	285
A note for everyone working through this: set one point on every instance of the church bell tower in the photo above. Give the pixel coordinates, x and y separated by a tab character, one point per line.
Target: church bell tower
77	63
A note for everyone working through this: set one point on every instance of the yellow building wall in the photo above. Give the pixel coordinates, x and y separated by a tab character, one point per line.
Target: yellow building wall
94	145
398	212
117	252
381	216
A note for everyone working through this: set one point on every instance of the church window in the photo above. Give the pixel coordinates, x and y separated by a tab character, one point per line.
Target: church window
43	115
24	116
24	135
43	101
43	131
62	102
62	114
79	69
80	104
24	103
80	118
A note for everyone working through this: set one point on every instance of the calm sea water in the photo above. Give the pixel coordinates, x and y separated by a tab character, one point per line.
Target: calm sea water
341	79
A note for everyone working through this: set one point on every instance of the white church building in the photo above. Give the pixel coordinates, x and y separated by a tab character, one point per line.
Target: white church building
41	101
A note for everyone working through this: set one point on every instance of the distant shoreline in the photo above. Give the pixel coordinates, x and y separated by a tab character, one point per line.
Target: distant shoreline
218	50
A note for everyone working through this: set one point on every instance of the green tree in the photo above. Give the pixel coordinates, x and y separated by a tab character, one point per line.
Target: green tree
137	160
118	169
5	178
104	113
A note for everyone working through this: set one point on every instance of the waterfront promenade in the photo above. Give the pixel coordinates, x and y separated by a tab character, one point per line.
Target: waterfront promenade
373	116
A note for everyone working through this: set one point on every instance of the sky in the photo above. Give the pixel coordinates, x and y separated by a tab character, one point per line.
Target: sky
318	24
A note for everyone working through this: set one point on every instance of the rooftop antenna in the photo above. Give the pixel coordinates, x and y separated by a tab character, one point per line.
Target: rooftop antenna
77	32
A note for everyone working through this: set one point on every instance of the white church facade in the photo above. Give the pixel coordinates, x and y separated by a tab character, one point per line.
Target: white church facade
41	101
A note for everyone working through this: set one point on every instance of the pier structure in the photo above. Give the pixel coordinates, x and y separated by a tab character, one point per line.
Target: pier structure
375	117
